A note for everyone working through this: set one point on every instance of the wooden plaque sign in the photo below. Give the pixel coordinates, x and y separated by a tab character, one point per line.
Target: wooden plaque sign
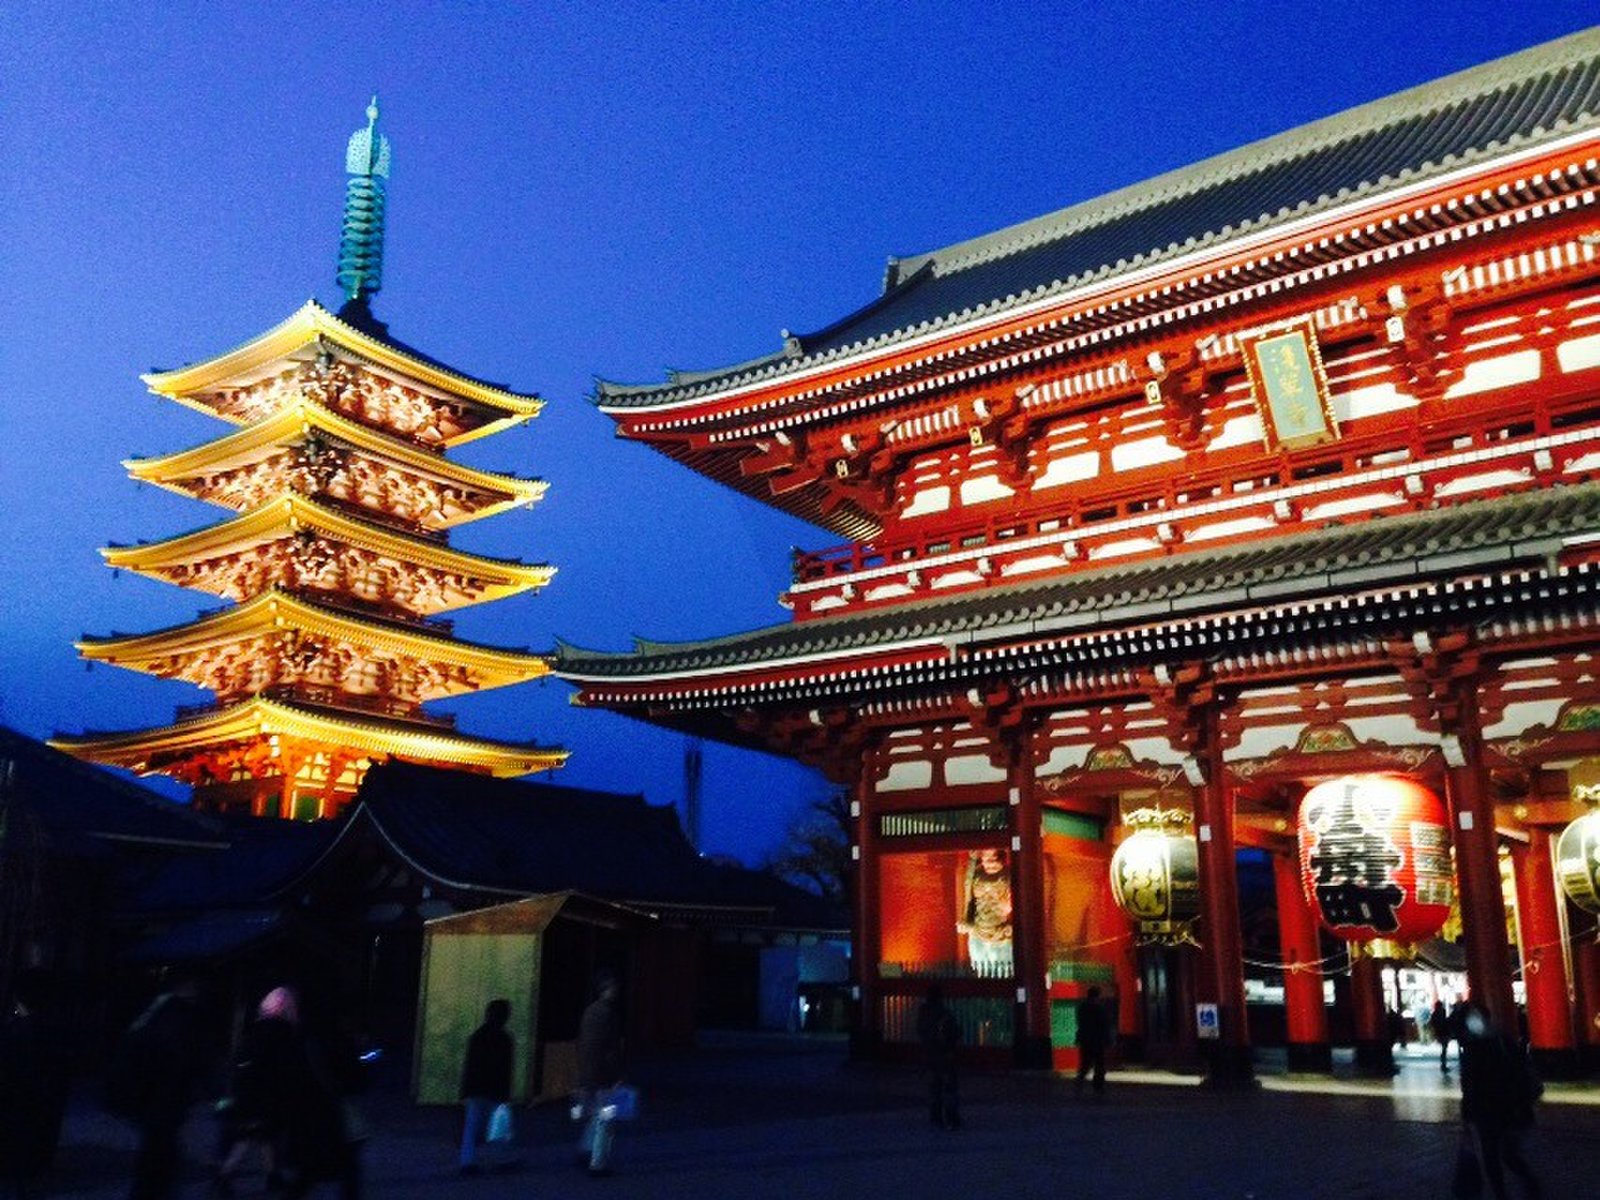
1290	388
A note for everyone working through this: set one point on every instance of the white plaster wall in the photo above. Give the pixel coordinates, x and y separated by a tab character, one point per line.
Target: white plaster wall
1145	452
967	769
1371	401
1523	715
907	776
1072	468
982	489
1238	431
1486	374
1579	354
1369	502
928	500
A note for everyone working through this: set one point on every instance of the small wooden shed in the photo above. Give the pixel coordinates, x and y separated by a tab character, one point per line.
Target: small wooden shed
541	954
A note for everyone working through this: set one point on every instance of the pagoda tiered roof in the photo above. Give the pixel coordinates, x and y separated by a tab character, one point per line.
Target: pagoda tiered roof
283	615
292	515
313	332
259	720
186	471
1393	146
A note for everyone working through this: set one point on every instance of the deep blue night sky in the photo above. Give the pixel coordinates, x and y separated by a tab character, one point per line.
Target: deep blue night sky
579	189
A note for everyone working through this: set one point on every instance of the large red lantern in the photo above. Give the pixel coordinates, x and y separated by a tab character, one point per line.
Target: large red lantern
1375	858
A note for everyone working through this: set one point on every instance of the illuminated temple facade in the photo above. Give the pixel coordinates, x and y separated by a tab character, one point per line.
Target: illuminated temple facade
336	561
1279	470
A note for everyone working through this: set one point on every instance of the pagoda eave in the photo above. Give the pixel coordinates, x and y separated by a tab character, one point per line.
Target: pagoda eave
289	427
310	324
156	749
292	514
289	615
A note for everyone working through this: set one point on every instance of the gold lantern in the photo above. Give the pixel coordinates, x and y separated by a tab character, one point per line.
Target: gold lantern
1155	875
1578	861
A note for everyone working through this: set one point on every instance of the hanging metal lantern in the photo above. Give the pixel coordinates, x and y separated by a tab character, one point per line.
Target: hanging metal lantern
1578	861
1155	875
1375	858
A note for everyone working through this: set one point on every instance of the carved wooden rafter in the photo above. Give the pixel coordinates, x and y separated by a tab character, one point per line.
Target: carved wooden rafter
1441	673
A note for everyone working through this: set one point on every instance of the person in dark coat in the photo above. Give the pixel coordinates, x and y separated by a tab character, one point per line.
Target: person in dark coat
485	1079
599	1068
1439	1027
262	1093
1498	1095
311	1093
1094	1038
164	1052
940	1035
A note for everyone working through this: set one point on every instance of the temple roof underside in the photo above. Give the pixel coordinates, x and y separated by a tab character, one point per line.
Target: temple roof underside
259	720
1537	97
323	451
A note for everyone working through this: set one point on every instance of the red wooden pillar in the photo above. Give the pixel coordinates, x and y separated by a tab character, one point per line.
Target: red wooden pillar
1586	977
1542	938
866	1029
1370	1014
1305	1014
1222	947
1483	909
1030	936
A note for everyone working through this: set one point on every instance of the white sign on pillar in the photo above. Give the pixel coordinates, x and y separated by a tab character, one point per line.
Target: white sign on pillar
1207	1021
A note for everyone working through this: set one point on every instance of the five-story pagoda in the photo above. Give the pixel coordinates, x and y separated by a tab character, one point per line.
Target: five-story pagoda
338	561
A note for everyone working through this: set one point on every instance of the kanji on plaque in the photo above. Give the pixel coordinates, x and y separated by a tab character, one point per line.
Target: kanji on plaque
1290	388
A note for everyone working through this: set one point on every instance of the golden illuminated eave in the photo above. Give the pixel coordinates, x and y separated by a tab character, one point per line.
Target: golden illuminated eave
146	750
279	611
289	425
291	514
308	324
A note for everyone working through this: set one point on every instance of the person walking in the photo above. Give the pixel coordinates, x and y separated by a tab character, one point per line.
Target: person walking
1439	1027
599	1069
940	1035
485	1080
155	1076
1498	1095
1093	1039
316	1081
262	1095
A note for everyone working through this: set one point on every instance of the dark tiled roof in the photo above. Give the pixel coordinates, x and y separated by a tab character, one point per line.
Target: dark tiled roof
263	859
1520	100
81	807
1478	536
527	838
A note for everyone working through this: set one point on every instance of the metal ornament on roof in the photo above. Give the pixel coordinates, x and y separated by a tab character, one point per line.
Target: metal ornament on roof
1155	875
366	160
1375	858
1578	861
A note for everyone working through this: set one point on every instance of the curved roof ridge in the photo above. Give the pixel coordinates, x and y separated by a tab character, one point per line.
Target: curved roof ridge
1347	158
1424	99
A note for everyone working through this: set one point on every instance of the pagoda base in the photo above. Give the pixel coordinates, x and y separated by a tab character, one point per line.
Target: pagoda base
269	796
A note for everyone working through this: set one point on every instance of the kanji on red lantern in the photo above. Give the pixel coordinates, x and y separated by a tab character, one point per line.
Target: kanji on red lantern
1375	858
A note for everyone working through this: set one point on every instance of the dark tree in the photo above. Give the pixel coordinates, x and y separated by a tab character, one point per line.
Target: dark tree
816	852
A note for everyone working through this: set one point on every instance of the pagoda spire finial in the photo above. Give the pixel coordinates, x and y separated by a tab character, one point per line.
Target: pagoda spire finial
366	160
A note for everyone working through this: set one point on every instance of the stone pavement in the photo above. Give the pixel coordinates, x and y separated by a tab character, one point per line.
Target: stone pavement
757	1116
